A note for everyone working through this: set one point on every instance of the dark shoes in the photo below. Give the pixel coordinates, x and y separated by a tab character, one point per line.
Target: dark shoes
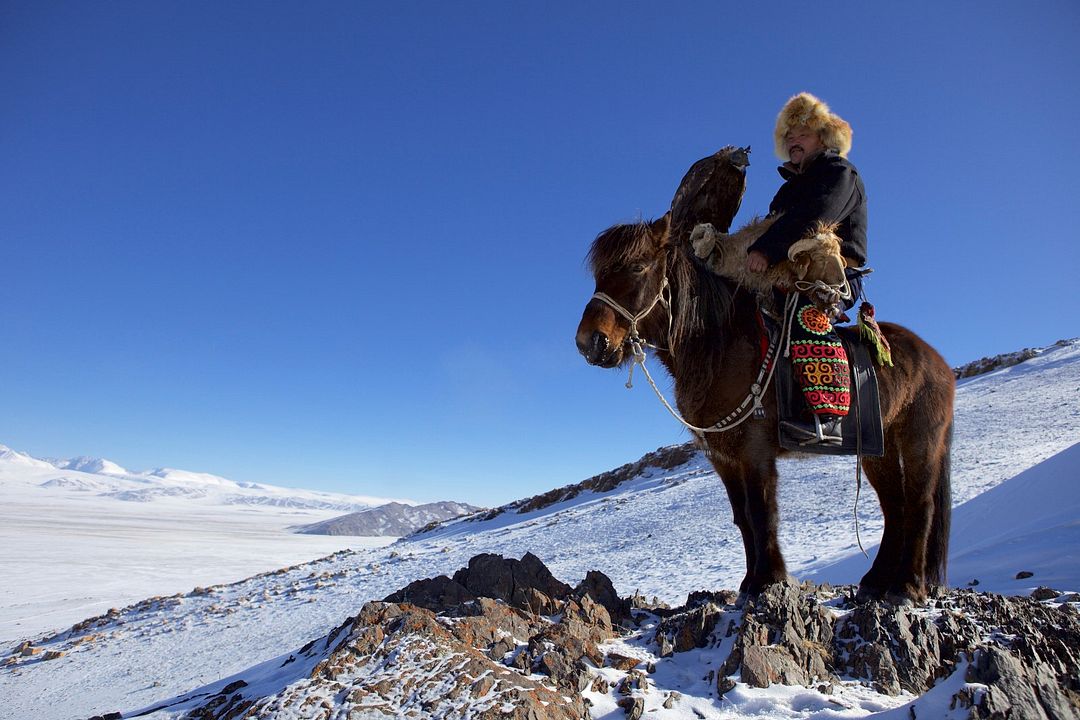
824	430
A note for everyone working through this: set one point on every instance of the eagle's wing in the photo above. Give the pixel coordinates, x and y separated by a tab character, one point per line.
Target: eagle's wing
710	192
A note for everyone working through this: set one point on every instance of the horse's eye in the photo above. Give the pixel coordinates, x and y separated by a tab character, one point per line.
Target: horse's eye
638	268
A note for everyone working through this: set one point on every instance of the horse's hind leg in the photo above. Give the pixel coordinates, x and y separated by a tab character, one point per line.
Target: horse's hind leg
925	450
886	476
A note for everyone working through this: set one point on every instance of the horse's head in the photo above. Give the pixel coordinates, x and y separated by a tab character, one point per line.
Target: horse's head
629	264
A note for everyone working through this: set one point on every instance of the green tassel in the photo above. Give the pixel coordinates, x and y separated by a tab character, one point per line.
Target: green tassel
882	351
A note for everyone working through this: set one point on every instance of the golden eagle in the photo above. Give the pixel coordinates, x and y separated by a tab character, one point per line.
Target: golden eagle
710	192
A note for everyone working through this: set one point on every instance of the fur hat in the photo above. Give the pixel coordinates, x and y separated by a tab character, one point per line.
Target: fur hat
805	109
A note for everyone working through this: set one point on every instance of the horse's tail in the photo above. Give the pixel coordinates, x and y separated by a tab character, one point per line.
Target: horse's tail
937	550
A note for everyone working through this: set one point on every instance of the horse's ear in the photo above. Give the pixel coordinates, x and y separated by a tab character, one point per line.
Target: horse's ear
661	228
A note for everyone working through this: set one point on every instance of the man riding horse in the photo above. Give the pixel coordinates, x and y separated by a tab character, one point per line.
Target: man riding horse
821	188
695	302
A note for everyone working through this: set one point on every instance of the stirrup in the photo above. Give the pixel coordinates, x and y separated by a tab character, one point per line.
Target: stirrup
815	435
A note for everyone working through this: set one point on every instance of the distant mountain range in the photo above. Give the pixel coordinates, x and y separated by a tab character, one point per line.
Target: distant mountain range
390	520
92	477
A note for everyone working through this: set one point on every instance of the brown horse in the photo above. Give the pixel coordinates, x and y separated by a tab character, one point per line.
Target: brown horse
706	333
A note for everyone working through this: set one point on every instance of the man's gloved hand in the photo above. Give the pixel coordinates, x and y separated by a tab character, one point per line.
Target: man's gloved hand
703	238
756	262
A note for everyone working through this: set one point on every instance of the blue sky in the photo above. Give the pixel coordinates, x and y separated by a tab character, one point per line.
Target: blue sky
340	245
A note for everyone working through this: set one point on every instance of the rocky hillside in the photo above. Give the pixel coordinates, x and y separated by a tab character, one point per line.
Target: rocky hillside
504	638
390	520
665	458
997	362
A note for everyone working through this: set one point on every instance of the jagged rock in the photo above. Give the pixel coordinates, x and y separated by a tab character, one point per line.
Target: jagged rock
1016	690
599	587
633	680
622	662
560	652
687	630
763	665
489	624
587	619
790	635
478	655
1024	575
437	593
1044	593
400	660
897	649
634	707
785	637
655	605
524	583
672	698
716	597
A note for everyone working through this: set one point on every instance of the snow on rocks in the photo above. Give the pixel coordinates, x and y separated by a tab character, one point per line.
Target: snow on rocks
504	656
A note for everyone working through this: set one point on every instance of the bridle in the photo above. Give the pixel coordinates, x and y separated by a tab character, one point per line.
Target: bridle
751	405
636	342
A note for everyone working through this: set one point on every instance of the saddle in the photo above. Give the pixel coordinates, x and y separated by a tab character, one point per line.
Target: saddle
861	428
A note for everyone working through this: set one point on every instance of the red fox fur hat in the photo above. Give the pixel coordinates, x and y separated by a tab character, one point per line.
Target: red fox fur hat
805	109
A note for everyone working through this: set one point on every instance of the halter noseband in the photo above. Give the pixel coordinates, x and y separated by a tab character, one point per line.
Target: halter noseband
663	298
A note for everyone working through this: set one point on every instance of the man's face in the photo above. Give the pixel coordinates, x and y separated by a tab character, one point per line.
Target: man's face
802	142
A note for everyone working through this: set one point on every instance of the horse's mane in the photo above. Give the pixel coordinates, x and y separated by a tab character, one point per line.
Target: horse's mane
702	301
620	244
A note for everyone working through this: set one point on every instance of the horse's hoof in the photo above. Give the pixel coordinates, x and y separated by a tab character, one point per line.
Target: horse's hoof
899	600
868	594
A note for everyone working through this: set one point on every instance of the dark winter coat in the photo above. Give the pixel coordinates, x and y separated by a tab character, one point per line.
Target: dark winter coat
829	190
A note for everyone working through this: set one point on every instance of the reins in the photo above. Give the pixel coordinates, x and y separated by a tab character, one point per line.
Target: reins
757	389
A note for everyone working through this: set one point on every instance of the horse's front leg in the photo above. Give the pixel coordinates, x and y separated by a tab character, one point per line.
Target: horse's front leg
734	483
760	481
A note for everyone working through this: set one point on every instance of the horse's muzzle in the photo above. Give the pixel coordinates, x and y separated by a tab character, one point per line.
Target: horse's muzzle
597	350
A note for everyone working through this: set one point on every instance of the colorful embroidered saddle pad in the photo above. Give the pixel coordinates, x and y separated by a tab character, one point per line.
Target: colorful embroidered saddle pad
864	417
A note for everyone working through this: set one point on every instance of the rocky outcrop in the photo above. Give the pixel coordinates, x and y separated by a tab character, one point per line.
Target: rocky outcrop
398	661
505	638
998	362
1025	652
469	646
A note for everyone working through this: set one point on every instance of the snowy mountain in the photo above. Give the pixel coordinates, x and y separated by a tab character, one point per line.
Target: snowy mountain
392	519
108	479
94	466
658	529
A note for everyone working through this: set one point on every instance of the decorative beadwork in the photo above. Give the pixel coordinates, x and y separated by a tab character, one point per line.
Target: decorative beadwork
820	362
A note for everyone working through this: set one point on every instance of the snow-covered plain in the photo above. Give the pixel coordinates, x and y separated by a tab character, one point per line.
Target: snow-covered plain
84	535
665	533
